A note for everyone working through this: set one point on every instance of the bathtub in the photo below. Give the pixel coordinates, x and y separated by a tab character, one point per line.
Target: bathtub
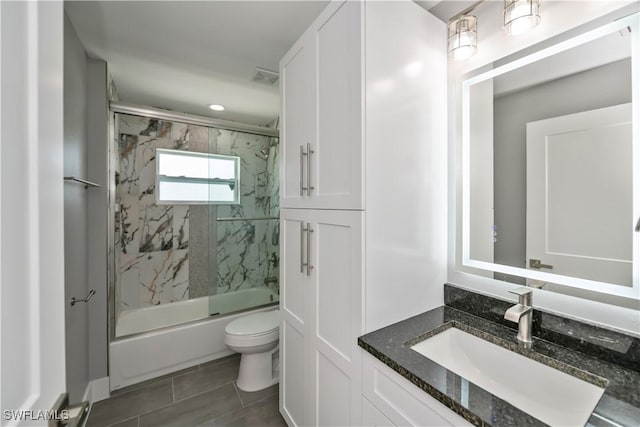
153	352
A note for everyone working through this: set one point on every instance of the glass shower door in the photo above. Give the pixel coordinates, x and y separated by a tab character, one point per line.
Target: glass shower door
246	234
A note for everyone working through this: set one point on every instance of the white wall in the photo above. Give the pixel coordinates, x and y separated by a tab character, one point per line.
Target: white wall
32	356
75	213
557	17
85	156
97	162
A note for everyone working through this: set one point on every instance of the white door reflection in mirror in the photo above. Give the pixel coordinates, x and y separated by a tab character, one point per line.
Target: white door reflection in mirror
579	195
570	200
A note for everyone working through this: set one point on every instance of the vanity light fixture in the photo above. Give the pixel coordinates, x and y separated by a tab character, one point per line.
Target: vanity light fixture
216	107
521	15
462	31
463	37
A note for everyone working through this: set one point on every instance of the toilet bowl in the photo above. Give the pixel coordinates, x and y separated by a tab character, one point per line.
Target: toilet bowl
255	336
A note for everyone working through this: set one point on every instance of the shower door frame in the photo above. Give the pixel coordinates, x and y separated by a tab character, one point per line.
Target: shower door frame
117	107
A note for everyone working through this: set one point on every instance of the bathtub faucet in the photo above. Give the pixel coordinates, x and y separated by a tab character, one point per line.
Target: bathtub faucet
273	280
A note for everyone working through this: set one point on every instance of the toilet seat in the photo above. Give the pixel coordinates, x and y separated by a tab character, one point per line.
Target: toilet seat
255	324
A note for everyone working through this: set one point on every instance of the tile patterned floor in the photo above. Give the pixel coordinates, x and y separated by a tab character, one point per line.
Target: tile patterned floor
201	396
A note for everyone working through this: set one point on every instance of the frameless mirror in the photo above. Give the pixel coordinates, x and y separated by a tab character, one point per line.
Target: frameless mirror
551	167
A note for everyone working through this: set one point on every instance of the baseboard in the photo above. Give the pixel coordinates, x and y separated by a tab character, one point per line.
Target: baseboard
97	390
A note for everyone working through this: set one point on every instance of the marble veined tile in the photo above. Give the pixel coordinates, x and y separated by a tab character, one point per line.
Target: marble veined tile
128	281
128	224
162	275
156	224
190	138
181	215
128	172
157	129
199	139
146	161
180	136
181	275
132	124
238	259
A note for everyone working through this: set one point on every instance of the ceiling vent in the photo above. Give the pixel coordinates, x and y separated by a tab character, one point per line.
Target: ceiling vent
265	77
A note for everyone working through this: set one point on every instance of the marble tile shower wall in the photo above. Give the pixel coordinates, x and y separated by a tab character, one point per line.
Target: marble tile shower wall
247	251
153	249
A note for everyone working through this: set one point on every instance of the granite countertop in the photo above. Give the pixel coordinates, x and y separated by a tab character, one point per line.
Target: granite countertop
619	405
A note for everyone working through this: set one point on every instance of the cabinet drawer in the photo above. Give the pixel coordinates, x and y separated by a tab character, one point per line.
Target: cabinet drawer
372	417
400	401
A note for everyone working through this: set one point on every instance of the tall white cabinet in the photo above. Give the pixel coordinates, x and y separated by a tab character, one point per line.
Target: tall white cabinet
363	195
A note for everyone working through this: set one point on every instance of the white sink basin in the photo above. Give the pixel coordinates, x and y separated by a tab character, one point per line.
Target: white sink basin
553	397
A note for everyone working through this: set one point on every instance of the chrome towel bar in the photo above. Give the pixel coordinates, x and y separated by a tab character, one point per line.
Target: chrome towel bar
246	219
89	296
86	183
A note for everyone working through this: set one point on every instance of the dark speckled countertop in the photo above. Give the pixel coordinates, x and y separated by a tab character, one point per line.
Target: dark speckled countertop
605	358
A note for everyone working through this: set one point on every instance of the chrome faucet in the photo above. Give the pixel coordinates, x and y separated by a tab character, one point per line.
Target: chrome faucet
522	314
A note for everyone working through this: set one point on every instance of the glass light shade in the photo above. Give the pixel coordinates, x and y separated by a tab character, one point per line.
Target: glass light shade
463	37
521	15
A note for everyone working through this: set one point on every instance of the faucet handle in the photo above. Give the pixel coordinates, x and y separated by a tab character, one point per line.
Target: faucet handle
524	293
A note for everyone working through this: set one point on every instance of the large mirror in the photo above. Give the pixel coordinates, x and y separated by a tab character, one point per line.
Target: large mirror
551	167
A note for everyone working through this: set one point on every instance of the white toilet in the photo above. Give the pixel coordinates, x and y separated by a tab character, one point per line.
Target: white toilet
255	336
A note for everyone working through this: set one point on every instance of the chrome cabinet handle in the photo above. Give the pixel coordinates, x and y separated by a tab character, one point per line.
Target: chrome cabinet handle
309	266
638	226
302	154
309	153
89	296
302	230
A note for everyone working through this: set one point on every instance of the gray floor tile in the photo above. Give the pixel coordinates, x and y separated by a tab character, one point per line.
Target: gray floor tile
127	405
249	398
221	360
207	424
152	381
205	378
194	410
131	422
264	414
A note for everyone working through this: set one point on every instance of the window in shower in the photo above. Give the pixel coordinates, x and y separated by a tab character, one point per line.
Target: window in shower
197	178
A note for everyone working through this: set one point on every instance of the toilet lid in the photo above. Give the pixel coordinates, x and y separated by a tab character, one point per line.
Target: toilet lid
255	324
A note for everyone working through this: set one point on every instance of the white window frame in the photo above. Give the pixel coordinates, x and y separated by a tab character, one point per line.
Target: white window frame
186	179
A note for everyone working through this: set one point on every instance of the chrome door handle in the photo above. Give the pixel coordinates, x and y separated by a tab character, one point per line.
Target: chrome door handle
536	263
302	187
308	264
302	230
309	153
89	296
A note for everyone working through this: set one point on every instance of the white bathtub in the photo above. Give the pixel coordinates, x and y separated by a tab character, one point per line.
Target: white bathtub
178	345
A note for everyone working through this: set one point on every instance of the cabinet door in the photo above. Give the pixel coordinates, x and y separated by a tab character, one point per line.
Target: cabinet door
298	93
321	285
295	298
337	158
321	113
336	257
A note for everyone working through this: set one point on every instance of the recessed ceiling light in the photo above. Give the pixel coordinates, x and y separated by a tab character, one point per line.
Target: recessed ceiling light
216	107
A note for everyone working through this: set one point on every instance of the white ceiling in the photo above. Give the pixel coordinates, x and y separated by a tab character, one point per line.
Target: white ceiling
184	55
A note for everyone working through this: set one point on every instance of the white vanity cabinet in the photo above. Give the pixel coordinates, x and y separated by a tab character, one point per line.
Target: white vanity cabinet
364	124
398	402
